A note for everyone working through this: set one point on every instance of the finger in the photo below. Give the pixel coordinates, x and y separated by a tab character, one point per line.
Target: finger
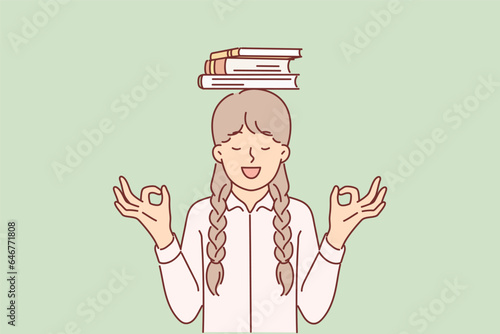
334	196
127	193
146	191
379	199
165	195
374	213
368	199
126	213
354	192
121	199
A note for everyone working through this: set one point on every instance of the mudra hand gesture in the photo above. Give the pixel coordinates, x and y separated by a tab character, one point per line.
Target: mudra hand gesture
154	217
345	218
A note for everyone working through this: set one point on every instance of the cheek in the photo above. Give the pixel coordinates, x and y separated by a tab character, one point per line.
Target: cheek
270	161
234	158
232	166
233	161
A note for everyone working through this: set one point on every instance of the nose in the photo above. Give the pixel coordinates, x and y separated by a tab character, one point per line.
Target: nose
251	156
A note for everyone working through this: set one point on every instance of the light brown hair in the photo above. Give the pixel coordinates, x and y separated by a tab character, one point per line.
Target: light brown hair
261	112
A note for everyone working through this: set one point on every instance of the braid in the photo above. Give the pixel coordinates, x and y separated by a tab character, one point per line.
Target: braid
261	112
278	188
221	188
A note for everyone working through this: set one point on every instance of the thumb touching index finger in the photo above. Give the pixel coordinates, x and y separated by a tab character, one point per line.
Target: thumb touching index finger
146	191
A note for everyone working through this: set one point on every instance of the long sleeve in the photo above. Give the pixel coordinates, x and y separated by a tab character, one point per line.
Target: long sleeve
182	272
318	270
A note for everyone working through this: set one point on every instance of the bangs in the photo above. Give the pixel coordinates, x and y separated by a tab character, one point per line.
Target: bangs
259	110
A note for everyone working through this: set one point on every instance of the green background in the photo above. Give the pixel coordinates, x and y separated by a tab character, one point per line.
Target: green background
351	121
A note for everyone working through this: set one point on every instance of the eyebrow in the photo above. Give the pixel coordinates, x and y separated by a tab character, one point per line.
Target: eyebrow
236	132
265	132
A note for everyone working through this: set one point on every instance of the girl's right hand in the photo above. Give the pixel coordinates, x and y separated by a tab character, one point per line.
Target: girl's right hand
154	217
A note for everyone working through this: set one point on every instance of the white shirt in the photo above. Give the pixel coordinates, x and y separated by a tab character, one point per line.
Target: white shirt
249	297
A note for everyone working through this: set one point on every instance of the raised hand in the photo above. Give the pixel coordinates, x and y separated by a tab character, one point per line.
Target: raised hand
154	217
345	218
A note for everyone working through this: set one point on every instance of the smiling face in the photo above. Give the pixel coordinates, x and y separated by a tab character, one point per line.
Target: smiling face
251	132
251	159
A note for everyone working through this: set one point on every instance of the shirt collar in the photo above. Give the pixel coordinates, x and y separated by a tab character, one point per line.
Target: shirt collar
233	202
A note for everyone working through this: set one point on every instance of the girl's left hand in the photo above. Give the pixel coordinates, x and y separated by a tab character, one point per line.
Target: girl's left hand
345	218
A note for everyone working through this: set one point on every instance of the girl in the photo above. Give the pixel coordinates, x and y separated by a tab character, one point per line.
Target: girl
249	256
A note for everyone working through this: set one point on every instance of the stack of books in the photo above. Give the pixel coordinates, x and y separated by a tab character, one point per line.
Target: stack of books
243	68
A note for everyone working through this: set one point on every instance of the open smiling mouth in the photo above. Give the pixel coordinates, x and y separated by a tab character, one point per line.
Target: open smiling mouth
250	172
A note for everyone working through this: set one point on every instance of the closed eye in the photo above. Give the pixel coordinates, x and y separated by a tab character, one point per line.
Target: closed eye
264	148
236	148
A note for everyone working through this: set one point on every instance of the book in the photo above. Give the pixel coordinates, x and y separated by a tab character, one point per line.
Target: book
247	66
257	53
235	81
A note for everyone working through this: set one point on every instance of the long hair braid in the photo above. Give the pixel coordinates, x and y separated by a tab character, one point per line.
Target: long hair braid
278	189
261	112
221	188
